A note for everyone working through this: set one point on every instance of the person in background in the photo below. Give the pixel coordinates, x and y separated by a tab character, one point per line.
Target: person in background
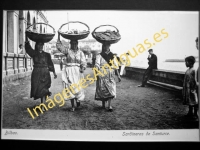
40	77
189	88
61	64
20	51
119	65
197	43
93	60
123	64
152	58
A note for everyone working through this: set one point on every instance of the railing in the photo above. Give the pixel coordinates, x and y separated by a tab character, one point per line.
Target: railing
172	80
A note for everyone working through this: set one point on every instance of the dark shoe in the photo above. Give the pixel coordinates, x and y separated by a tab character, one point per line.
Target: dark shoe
140	86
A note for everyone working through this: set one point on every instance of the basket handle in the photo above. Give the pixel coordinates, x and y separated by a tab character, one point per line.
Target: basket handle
102	26
73	22
41	23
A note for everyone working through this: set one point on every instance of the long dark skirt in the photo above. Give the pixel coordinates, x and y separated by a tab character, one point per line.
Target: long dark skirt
40	82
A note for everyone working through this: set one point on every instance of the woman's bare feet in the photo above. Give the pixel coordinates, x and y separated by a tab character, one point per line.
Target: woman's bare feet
72	109
110	109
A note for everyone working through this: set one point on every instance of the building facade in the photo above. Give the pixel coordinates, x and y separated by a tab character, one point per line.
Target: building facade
93	45
16	63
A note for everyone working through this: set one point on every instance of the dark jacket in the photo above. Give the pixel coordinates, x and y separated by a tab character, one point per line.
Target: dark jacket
40	77
153	61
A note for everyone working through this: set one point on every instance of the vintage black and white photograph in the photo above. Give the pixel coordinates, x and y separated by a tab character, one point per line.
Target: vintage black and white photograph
100	75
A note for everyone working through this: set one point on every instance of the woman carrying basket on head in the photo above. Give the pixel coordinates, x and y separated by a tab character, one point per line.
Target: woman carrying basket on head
43	65
75	64
106	85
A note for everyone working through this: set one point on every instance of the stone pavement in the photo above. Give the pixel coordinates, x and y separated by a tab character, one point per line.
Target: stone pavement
134	109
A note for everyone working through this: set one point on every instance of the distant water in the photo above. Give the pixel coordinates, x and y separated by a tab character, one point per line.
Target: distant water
174	66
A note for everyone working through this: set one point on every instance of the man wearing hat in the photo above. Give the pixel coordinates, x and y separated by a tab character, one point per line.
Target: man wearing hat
152	65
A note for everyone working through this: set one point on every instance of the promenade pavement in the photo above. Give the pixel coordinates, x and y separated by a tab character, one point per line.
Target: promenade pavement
134	108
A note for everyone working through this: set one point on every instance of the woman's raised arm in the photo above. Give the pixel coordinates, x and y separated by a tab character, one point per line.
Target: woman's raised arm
29	49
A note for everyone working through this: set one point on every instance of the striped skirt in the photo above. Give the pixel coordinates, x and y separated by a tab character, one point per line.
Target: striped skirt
106	86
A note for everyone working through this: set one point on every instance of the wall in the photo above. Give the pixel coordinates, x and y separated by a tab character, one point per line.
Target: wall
167	79
17	64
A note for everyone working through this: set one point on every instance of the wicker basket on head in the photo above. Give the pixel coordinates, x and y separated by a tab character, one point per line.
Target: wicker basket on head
107	36
40	37
74	36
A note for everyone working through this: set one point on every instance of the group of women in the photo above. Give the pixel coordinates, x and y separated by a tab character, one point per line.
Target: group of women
75	64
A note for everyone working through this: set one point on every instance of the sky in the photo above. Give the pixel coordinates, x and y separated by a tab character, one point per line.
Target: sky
180	27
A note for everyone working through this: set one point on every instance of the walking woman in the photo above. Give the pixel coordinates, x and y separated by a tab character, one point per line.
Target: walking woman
40	77
75	64
106	85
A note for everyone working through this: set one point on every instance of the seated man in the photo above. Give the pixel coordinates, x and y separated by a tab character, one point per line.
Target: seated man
152	65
